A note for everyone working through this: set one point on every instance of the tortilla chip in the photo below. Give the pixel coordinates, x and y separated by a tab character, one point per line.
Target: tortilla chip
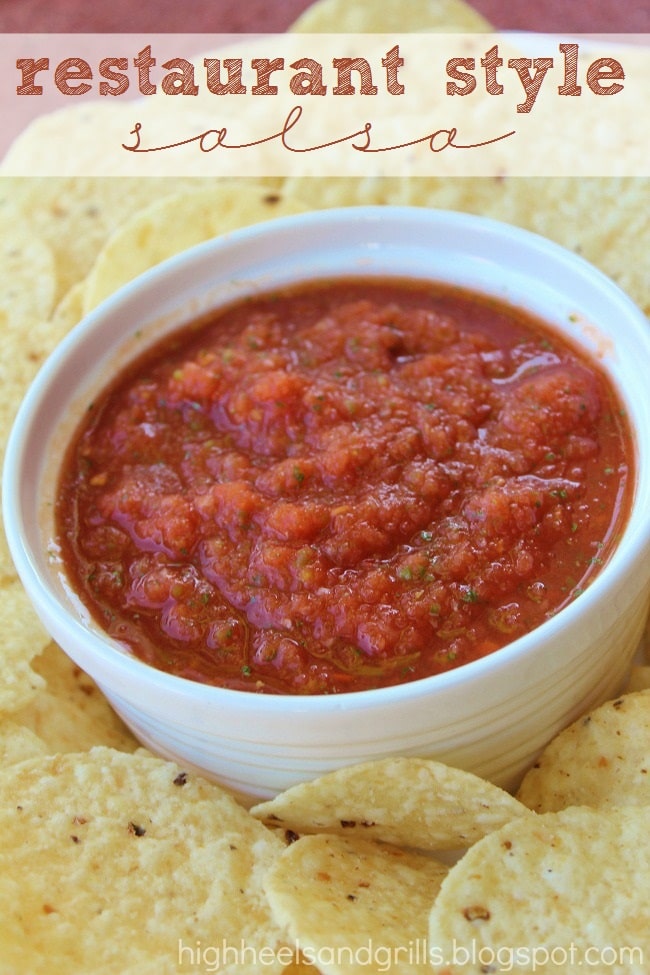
74	216
27	290
115	863
71	714
177	223
353	905
603	220
412	802
555	894
17	743
23	638
23	352
343	17
27	276
68	313
602	759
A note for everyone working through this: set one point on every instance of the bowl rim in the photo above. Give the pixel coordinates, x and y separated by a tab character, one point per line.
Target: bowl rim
632	544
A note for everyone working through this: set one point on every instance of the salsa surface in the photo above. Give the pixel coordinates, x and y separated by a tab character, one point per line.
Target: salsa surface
343	486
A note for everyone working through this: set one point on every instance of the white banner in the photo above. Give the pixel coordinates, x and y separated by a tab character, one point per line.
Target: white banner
325	105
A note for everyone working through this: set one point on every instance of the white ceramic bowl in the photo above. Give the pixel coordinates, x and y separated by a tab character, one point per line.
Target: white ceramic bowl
492	716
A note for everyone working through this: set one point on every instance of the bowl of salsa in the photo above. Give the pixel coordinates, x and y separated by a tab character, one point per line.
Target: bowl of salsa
353	483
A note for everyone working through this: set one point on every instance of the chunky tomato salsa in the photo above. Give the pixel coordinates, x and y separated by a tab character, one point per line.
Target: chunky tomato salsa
343	486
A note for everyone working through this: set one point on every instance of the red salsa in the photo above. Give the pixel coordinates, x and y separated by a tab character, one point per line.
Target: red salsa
343	486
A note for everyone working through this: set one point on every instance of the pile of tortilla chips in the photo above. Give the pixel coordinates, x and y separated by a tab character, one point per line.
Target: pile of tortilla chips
115	861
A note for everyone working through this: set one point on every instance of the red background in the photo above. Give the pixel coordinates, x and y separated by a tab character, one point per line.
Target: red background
269	16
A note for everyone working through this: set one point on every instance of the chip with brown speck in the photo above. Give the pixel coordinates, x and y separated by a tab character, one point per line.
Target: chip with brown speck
595	762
